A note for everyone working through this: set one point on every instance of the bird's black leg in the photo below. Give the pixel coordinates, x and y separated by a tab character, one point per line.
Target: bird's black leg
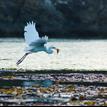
19	61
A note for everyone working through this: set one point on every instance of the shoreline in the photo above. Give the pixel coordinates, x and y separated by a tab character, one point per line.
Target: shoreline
51	71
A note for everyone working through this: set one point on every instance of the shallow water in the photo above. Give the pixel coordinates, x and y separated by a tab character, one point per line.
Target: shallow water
74	54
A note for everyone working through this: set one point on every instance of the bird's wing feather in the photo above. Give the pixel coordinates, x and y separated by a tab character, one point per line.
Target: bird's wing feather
40	41
31	34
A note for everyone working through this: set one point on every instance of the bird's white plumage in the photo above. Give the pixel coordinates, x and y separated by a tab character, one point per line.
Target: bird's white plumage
34	42
32	36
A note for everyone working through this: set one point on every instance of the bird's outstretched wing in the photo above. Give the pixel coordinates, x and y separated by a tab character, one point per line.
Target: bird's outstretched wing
40	41
31	34
32	37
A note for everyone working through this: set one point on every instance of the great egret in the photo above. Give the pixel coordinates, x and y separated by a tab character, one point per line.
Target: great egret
34	42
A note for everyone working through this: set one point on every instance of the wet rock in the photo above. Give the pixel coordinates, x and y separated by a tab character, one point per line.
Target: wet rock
90	103
45	91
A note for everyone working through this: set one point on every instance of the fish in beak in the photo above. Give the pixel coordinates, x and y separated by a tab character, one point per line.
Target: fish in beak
57	50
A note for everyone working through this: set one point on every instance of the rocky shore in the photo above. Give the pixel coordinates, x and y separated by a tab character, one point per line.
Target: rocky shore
51	89
68	77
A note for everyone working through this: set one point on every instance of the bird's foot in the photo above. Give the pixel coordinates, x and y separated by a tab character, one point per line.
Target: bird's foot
19	61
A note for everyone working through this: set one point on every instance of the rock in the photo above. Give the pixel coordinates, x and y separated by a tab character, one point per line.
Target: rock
55	18
90	103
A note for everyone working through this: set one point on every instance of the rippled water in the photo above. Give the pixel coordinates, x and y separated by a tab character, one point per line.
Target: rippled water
74	54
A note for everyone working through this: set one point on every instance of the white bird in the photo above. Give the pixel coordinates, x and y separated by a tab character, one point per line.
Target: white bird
34	42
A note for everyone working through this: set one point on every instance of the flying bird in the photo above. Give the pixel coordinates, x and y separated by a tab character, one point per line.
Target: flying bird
34	42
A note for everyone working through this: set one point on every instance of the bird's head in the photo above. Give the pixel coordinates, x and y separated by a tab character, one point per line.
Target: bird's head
51	49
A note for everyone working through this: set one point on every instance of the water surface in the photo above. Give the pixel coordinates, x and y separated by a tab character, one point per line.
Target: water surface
74	54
